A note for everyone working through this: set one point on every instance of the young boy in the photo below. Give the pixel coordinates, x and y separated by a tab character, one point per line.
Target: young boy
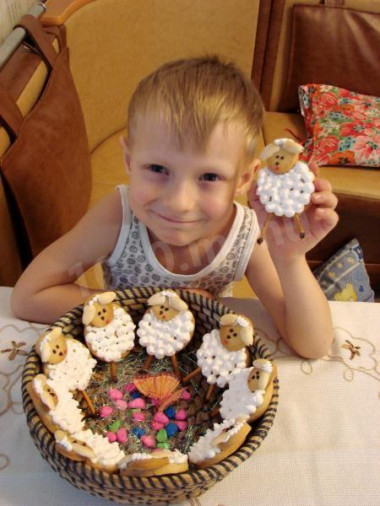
191	138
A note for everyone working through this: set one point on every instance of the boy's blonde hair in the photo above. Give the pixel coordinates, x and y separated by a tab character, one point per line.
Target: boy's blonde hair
192	96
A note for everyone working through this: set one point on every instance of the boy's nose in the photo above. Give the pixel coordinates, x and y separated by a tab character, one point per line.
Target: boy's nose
180	197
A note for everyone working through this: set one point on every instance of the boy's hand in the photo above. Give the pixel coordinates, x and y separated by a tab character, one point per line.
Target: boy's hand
318	220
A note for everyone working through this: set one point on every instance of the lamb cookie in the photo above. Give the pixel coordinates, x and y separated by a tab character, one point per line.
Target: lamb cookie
73	448
218	443
86	445
55	405
44	399
284	184
250	391
65	359
154	464
224	351
166	327
108	329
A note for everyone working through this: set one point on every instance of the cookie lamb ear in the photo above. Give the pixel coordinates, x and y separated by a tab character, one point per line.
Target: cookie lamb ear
268	151
246	334
156	299
228	319
88	315
106	298
43	347
177	304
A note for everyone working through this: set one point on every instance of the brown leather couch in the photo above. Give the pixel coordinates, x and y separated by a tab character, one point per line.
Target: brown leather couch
113	43
343	51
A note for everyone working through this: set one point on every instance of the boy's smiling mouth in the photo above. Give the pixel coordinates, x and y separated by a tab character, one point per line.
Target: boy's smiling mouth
174	220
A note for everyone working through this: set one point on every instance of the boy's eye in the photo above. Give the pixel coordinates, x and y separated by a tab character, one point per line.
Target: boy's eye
157	169
210	176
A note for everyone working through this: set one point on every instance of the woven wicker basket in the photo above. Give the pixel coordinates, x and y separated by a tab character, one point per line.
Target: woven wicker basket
144	490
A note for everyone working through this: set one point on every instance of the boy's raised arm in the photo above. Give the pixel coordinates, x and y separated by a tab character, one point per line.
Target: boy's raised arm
280	276
47	288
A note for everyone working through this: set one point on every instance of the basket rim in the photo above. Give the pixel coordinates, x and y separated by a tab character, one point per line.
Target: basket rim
198	477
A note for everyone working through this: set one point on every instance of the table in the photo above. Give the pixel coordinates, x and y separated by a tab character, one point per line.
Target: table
323	449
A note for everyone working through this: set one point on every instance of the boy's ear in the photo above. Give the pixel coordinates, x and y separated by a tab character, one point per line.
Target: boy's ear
246	177
127	159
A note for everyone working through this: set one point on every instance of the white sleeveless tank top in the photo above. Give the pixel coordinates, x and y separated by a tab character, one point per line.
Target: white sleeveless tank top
133	262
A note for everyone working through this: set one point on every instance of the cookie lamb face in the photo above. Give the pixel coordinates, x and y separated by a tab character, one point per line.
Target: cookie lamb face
111	340
224	351
51	346
167	326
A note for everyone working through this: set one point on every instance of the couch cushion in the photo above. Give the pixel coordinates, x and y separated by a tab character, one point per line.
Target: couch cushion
344	277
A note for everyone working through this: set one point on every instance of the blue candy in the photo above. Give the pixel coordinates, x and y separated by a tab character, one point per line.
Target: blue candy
138	432
170	412
135	394
171	429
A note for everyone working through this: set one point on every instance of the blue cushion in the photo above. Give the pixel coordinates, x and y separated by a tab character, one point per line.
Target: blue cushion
344	276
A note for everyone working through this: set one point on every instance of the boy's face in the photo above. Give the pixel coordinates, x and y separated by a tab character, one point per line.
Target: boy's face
184	196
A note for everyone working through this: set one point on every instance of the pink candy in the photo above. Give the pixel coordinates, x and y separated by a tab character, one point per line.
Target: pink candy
181	415
186	395
161	418
138	416
112	437
156	426
121	435
181	425
137	403
148	441
115	394
105	411
129	387
121	404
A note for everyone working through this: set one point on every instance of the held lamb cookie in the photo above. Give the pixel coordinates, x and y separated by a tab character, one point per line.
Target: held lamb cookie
249	391
218	443
224	351
108	329
285	184
156	463
166	327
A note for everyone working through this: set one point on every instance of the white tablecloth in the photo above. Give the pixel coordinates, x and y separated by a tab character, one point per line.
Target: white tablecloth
323	449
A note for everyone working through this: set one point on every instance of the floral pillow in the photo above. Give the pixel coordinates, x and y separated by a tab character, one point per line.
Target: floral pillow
343	127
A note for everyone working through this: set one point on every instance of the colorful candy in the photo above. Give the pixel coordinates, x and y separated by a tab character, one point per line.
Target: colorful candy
105	411
171	429
115	394
181	415
148	441
137	403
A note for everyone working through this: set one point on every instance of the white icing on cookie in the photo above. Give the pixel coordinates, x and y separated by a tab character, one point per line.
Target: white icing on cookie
285	194
217	363
238	400
206	448
174	457
112	342
107	454
165	338
67	414
76	369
